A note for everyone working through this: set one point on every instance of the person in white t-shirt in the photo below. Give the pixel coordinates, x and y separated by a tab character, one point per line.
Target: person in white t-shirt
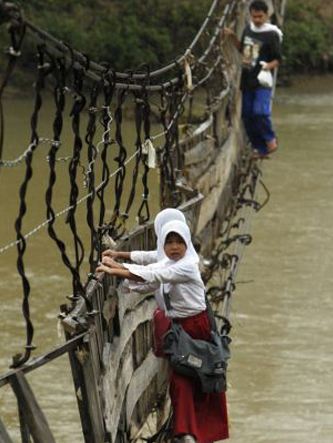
260	46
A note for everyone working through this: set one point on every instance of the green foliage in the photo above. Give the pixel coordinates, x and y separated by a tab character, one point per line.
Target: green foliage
128	33
308	37
125	33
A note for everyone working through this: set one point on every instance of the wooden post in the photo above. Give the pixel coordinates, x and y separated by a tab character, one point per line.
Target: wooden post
4	437
91	380
81	395
87	393
31	412
24	429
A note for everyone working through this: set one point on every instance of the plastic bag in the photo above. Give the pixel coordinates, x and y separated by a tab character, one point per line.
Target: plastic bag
265	78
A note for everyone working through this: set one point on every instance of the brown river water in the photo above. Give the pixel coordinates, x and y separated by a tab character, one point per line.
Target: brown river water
280	374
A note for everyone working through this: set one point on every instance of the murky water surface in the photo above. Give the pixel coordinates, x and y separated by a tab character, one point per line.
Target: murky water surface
281	368
281	372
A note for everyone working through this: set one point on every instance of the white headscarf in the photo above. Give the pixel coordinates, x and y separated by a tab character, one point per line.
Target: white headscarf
180	228
163	217
265	28
191	258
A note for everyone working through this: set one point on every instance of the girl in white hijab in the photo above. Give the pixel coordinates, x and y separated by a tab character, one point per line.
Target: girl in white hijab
177	272
147	257
197	417
163	217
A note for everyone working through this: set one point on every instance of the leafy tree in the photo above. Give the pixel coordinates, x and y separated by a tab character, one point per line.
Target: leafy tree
124	33
308	36
129	33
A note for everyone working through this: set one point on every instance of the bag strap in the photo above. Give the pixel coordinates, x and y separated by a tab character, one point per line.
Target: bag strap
166	297
210	312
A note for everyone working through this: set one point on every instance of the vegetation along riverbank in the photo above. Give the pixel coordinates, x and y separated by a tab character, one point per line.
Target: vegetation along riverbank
124	33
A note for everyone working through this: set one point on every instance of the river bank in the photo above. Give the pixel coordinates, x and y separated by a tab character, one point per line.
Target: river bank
307	45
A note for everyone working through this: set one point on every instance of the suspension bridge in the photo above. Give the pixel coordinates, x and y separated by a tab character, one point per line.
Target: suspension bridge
188	147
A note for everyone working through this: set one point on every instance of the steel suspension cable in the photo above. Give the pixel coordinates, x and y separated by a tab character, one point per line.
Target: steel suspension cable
90	175
21	243
146	126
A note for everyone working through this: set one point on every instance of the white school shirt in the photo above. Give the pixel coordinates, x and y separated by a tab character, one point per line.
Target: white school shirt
143	257
181	280
146	258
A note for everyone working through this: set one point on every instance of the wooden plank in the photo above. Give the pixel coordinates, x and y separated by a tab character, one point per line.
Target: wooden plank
94	356
24	429
153	422
118	362
214	181
81	395
100	296
33	415
142	343
221	99
91	379
111	317
130	322
201	152
192	175
191	210
114	387
4	436
197	134
43	359
97	335
131	302
139	382
221	128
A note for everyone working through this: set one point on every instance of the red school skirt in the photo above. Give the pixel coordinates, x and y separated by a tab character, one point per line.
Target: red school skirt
203	416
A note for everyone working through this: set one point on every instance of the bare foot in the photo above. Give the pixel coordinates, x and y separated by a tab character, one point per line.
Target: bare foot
260	155
272	146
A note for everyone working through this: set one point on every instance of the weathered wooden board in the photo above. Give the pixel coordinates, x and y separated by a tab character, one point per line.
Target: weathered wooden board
91	374
213	183
130	301
197	135
115	388
201	152
4	436
140	380
118	362
32	413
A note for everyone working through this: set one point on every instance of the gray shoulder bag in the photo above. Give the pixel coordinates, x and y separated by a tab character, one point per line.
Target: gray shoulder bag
198	359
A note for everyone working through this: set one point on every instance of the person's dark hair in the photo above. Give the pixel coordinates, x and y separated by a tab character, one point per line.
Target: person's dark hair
174	235
259	5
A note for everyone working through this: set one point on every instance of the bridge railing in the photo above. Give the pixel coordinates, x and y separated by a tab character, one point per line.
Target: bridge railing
32	420
114	369
117	380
